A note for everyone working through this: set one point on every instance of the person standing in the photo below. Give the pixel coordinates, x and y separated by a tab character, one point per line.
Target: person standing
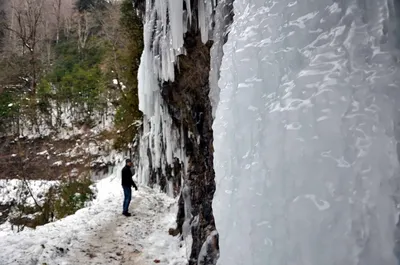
127	184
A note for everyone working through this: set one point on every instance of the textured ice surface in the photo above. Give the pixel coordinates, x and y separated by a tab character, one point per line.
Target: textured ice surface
222	17
305	134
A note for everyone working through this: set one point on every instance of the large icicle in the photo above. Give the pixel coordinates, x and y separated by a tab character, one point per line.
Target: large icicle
205	10
163	41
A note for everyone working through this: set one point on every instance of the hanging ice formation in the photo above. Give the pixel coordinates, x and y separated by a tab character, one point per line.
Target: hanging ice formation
162	143
305	134
165	25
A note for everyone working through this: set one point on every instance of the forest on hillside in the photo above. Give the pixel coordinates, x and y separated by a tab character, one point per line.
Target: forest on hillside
65	67
83	54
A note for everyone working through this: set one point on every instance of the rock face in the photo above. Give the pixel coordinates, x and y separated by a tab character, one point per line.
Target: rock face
183	112
189	106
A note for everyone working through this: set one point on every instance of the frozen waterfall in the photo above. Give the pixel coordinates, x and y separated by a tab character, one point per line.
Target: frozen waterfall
305	134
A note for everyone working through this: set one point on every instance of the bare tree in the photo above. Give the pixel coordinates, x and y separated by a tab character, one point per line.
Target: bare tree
62	11
28	17
57	11
2	20
83	30
109	20
67	16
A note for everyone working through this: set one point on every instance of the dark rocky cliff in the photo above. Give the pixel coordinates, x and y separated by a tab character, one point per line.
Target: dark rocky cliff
188	104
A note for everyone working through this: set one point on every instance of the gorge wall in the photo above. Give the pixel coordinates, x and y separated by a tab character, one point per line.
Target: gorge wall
177	93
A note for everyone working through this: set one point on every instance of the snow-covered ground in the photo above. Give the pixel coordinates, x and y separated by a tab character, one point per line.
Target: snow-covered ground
14	190
19	192
100	234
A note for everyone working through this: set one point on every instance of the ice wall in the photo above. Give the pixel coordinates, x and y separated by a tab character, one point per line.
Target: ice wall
304	136
223	19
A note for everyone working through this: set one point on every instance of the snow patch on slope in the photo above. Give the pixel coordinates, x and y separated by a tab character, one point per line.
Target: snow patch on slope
14	190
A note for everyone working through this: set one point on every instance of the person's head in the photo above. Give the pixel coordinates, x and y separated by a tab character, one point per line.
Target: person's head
128	162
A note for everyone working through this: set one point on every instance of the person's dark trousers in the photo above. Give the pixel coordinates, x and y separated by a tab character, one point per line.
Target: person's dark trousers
127	198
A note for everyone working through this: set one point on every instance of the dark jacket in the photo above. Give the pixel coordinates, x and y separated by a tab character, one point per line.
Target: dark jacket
126	177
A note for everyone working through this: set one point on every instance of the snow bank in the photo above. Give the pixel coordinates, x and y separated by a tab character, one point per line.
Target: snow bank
160	246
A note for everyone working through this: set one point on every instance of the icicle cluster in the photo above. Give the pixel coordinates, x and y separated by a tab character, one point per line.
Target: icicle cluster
166	22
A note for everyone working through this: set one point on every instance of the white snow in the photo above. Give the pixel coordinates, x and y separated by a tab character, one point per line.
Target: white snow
58	163
100	234
16	190
305	134
45	152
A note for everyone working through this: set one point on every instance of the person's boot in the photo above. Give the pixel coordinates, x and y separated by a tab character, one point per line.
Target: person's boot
126	214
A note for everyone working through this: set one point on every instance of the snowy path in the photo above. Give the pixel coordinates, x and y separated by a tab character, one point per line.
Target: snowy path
120	240
100	234
113	241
